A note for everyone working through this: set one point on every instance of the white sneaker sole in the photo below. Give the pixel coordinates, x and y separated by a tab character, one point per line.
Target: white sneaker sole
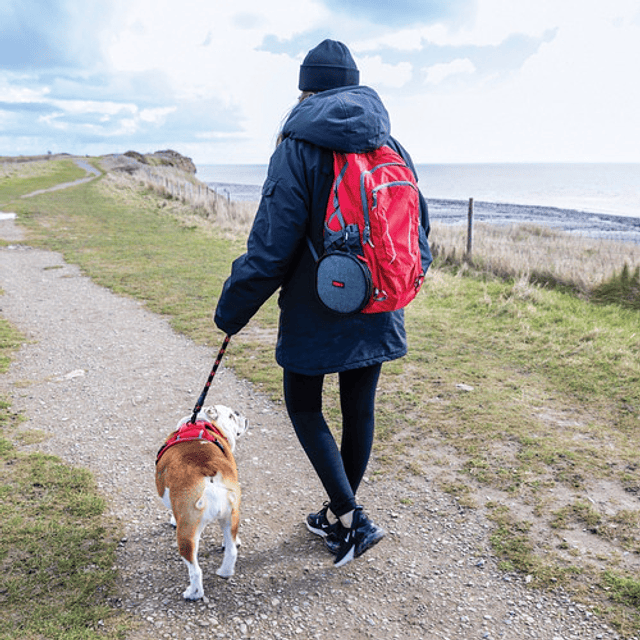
347	558
318	532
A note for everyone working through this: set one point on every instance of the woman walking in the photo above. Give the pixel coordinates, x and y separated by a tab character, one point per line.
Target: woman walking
334	113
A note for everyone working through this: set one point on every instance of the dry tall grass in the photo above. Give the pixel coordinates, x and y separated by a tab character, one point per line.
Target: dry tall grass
36	168
535	253
172	184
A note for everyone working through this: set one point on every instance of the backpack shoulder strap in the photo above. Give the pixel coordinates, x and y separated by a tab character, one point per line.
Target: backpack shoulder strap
340	165
314	253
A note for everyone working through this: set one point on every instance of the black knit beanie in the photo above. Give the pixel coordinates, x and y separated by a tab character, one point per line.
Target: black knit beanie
328	66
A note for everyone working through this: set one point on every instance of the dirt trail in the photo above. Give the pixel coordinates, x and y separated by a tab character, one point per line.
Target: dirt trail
92	173
107	380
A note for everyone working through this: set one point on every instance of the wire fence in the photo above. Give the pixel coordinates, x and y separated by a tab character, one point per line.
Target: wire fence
187	189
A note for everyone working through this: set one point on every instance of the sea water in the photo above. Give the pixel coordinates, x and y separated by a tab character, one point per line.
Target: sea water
593	199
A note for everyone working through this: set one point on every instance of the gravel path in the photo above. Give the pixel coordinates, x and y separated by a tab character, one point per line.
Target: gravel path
107	381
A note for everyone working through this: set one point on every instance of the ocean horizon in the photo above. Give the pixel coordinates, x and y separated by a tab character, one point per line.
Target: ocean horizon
598	199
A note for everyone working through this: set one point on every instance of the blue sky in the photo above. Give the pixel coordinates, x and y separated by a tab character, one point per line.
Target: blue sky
463	80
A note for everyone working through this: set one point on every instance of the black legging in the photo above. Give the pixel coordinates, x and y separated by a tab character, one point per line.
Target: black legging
339	471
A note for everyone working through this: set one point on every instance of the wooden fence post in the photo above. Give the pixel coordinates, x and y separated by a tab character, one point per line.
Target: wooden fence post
470	229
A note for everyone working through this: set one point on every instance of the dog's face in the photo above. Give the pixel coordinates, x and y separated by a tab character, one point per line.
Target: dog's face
230	422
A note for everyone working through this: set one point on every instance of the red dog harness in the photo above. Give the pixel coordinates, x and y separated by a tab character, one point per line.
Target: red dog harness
190	431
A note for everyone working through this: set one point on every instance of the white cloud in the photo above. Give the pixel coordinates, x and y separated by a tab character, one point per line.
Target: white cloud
439	72
77	107
378	73
18	94
156	116
52	121
402	40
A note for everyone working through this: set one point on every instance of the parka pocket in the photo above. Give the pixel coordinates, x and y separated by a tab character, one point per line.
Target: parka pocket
269	187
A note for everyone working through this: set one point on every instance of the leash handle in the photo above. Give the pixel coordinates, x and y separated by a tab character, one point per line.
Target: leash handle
216	364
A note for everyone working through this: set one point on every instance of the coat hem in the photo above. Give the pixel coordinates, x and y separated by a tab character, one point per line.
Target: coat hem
346	367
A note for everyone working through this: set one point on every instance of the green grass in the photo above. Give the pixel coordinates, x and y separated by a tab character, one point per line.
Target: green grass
529	392
623	288
57	552
9	341
17	179
524	357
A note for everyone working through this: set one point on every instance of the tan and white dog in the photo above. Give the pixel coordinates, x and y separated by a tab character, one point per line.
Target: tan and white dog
198	480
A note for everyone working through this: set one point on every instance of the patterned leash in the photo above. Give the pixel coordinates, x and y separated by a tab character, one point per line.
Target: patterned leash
203	395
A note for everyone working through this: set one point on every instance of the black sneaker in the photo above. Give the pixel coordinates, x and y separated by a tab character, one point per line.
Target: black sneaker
362	535
317	523
334	538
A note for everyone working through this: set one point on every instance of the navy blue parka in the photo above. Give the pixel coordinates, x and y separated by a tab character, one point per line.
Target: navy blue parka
312	340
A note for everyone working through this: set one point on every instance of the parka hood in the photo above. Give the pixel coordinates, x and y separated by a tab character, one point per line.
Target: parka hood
348	119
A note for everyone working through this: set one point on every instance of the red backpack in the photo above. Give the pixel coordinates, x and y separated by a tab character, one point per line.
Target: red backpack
371	261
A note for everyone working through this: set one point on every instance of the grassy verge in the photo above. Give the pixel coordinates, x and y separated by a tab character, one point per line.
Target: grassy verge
9	340
57	553
523	401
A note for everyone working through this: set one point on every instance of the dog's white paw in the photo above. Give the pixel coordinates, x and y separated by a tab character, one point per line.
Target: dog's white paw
173	522
225	573
193	593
